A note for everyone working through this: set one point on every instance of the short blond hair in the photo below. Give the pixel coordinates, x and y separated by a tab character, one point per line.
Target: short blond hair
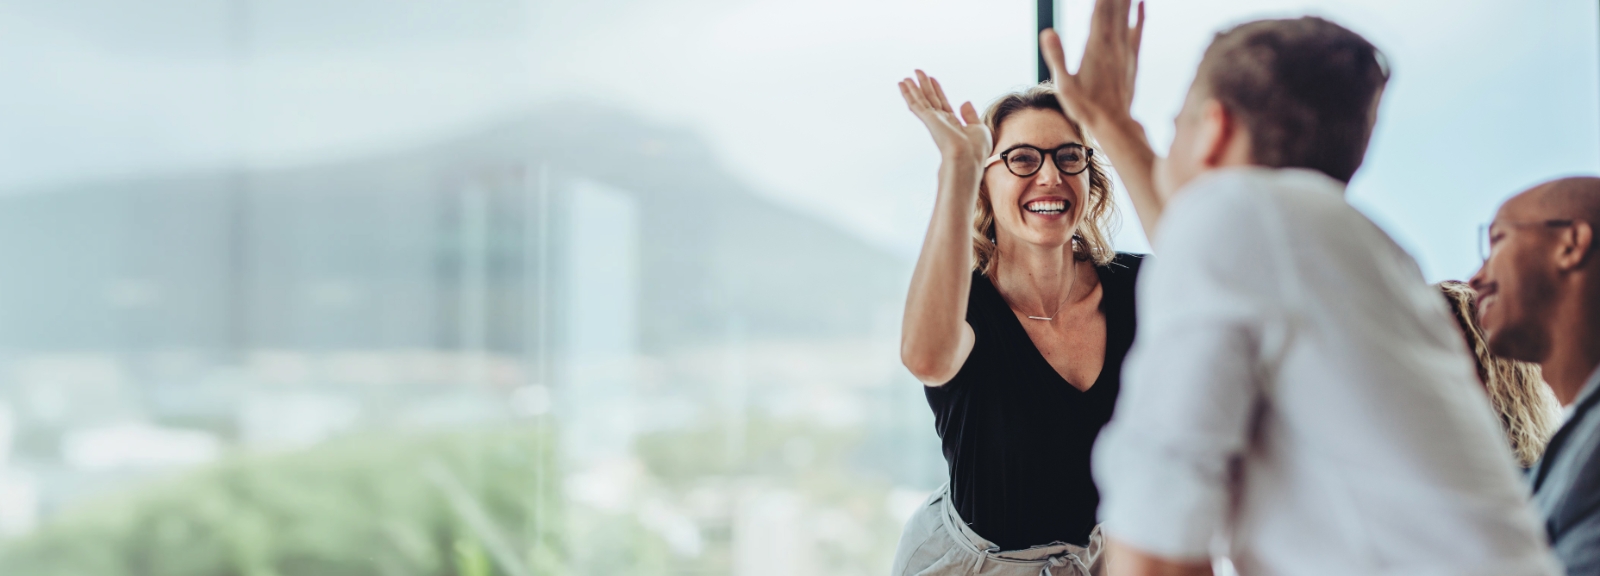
1525	404
1092	241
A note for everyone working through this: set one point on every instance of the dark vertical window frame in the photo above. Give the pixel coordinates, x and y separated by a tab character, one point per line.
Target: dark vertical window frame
1047	19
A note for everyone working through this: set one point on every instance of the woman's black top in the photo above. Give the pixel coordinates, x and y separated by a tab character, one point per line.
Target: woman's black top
1017	436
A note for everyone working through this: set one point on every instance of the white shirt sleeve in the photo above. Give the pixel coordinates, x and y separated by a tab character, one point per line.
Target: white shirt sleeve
1191	384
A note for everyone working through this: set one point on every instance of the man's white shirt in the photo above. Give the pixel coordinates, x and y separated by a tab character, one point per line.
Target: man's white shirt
1300	394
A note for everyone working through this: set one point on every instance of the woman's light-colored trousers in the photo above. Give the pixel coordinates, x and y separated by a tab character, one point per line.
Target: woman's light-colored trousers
936	542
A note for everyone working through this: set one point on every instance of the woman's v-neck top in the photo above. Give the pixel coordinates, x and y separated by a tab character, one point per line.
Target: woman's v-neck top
1016	435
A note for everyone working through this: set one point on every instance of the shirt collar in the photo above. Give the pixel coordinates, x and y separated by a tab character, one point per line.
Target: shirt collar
1576	409
1299	178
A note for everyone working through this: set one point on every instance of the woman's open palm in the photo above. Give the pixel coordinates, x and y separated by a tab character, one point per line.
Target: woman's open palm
961	137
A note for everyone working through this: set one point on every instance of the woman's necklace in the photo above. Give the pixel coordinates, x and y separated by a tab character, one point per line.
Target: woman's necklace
1052	316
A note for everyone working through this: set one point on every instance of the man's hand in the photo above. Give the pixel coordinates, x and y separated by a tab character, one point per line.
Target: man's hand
1101	93
1100	96
1124	560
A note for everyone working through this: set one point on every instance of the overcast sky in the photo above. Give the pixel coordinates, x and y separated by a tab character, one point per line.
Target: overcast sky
797	98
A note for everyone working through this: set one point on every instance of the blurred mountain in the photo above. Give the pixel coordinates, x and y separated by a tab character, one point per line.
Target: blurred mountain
390	251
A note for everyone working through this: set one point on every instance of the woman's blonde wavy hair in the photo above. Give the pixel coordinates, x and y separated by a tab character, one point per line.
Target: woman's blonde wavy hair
1092	241
1516	389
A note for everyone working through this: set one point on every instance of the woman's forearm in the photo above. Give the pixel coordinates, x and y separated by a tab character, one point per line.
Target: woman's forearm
934	336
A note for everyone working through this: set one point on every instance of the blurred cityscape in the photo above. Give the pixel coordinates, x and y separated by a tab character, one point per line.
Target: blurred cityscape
714	373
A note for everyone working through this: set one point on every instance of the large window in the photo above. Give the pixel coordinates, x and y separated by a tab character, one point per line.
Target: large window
557	287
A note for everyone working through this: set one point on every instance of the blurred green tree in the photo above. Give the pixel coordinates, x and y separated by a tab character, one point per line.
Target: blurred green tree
475	503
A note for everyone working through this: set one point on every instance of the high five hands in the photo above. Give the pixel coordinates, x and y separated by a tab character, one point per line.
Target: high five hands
963	139
1101	93
1100	96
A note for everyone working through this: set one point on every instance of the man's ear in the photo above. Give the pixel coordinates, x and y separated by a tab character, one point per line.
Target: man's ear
1217	133
1576	245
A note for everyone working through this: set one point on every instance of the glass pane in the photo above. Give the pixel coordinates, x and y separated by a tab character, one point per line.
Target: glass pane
559	287
435	288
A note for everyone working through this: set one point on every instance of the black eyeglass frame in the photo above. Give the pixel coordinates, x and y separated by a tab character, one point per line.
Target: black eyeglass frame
1005	157
1486	242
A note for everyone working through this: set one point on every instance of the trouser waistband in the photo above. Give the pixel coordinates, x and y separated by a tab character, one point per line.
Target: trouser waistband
1057	554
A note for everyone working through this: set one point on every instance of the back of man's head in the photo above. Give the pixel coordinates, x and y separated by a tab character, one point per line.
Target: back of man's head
1306	91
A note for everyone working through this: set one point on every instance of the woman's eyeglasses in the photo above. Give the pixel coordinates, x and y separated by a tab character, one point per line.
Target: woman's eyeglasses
1025	160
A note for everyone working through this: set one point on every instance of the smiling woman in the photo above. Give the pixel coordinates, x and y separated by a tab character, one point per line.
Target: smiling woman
1018	337
1024	161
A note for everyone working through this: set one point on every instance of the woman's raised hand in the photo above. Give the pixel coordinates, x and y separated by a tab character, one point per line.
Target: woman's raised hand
935	338
962	138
